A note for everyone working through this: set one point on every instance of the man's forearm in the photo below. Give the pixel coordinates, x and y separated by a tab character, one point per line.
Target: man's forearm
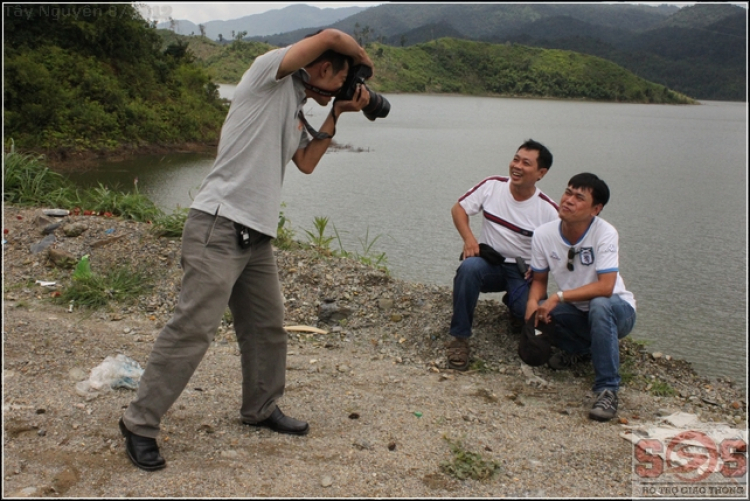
308	158
344	43
537	291
461	222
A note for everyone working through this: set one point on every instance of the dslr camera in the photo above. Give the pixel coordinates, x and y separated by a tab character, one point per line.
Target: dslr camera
378	107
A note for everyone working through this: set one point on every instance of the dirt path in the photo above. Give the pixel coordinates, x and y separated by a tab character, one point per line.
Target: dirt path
382	407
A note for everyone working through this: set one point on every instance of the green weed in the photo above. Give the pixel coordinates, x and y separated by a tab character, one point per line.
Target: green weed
367	258
466	464
318	240
284	232
661	389
28	182
126	205
378	260
171	225
479	366
92	290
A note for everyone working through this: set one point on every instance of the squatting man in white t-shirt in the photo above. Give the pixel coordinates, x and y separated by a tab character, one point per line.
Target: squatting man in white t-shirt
227	255
512	207
592	310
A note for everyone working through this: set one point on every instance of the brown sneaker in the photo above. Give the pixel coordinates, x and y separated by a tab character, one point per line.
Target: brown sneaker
458	354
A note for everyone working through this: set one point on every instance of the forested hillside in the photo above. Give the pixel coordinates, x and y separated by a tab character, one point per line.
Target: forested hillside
449	65
465	67
699	50
99	78
104	79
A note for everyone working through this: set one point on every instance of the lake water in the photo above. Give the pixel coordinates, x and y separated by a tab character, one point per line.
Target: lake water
678	176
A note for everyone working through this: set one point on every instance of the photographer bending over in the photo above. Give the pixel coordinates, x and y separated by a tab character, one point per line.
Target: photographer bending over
227	256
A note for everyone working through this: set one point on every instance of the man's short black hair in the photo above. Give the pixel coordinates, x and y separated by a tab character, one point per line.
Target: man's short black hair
338	61
599	189
545	156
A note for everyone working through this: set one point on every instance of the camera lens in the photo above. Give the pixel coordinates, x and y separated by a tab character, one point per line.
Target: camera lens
378	107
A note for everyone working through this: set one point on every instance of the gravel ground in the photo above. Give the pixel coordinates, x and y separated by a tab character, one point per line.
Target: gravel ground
382	406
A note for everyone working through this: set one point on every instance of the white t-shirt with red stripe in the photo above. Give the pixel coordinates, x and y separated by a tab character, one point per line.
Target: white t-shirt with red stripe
508	224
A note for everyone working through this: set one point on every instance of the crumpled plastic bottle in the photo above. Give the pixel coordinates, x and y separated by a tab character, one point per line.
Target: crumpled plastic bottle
120	371
83	269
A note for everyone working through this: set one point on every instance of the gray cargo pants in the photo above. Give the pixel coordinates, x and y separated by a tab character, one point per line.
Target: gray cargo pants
217	272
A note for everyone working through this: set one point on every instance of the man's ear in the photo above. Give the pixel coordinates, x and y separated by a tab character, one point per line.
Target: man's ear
324	68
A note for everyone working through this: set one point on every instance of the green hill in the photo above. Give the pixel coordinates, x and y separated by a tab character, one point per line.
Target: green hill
100	79
449	65
461	66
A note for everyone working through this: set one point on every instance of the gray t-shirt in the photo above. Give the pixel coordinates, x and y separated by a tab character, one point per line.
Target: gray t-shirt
259	137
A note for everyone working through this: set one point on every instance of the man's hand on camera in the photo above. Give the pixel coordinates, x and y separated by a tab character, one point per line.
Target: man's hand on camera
365	59
360	100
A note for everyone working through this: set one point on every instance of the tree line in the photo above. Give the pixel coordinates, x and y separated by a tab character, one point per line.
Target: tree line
97	77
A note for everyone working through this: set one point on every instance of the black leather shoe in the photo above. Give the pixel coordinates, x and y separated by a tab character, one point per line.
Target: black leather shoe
142	451
280	423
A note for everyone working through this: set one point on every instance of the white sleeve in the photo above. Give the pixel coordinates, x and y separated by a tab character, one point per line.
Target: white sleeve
473	200
262	73
608	252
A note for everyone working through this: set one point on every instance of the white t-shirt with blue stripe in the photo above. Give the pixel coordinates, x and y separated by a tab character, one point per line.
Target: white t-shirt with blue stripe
595	253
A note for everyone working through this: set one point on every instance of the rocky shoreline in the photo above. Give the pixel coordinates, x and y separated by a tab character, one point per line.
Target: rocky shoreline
375	386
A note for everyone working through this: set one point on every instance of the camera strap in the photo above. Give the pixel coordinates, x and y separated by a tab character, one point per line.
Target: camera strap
314	133
324	93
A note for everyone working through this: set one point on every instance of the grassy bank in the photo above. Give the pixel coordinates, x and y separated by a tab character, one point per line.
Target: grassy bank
30	183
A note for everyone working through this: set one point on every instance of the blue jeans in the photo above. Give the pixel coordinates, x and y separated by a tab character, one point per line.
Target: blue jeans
596	332
476	275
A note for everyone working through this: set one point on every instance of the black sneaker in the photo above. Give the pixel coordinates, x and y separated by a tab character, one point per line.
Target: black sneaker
605	407
563	360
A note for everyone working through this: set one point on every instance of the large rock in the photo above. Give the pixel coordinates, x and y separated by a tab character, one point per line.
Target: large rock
73	230
43	221
43	244
62	259
331	313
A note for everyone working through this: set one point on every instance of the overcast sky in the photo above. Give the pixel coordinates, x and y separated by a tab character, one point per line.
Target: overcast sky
200	12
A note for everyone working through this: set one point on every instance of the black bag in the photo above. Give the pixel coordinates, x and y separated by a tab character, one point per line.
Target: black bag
488	254
535	346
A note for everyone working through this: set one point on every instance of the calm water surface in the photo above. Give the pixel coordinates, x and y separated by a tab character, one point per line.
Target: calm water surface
678	176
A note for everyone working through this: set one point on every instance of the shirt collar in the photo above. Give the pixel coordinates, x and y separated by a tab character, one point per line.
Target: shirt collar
303	75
